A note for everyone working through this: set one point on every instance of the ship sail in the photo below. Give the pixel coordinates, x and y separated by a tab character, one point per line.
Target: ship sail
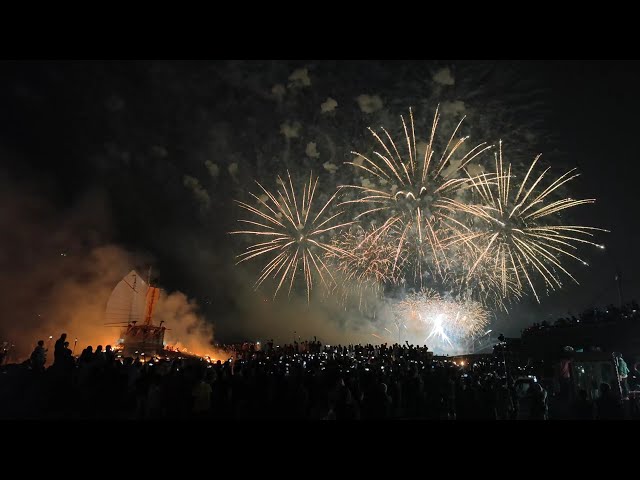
128	300
132	303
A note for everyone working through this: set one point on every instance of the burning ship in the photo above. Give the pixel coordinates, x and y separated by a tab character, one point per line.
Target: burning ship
130	307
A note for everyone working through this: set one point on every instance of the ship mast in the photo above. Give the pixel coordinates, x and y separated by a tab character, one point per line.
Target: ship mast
135	296
153	294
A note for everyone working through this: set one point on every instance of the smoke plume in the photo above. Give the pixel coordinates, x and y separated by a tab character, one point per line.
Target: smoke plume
59	268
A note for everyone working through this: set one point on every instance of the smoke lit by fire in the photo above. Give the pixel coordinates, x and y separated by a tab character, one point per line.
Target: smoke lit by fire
58	272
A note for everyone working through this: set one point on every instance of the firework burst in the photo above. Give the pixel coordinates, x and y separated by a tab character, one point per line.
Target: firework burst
294	230
483	238
519	238
366	268
371	260
445	322
414	193
482	284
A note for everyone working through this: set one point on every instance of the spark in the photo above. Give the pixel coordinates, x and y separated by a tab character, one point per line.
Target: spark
518	239
445	321
421	208
371	260
294	228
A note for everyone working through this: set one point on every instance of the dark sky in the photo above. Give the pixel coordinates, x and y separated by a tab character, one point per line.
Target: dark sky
145	134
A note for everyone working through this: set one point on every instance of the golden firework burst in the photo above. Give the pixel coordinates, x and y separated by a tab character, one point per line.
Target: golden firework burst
518	237
413	191
295	228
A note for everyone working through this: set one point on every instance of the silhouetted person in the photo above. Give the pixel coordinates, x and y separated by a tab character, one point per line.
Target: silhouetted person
378	402
39	357
608	407
58	350
634	377
341	403
99	358
582	408
201	394
86	357
539	406
155	398
565	379
110	355
504	402
69	362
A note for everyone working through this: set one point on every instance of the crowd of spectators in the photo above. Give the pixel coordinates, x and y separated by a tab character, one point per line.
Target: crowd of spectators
611	313
302	380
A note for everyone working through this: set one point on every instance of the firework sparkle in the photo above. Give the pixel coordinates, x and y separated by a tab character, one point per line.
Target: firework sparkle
519	238
296	237
414	194
445	323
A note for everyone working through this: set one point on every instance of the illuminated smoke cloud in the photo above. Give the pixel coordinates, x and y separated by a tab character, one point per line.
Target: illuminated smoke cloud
444	77
290	130
62	270
199	193
369	104
330	167
299	78
312	151
213	169
328	106
233	171
279	91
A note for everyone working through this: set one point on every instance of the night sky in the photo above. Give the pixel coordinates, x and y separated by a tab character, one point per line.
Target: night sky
167	145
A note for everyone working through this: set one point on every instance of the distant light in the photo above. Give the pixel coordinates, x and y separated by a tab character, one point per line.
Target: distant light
601	247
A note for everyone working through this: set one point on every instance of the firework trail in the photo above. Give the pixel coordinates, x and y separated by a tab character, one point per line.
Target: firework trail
482	237
519	238
481	284
371	259
293	228
414	193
